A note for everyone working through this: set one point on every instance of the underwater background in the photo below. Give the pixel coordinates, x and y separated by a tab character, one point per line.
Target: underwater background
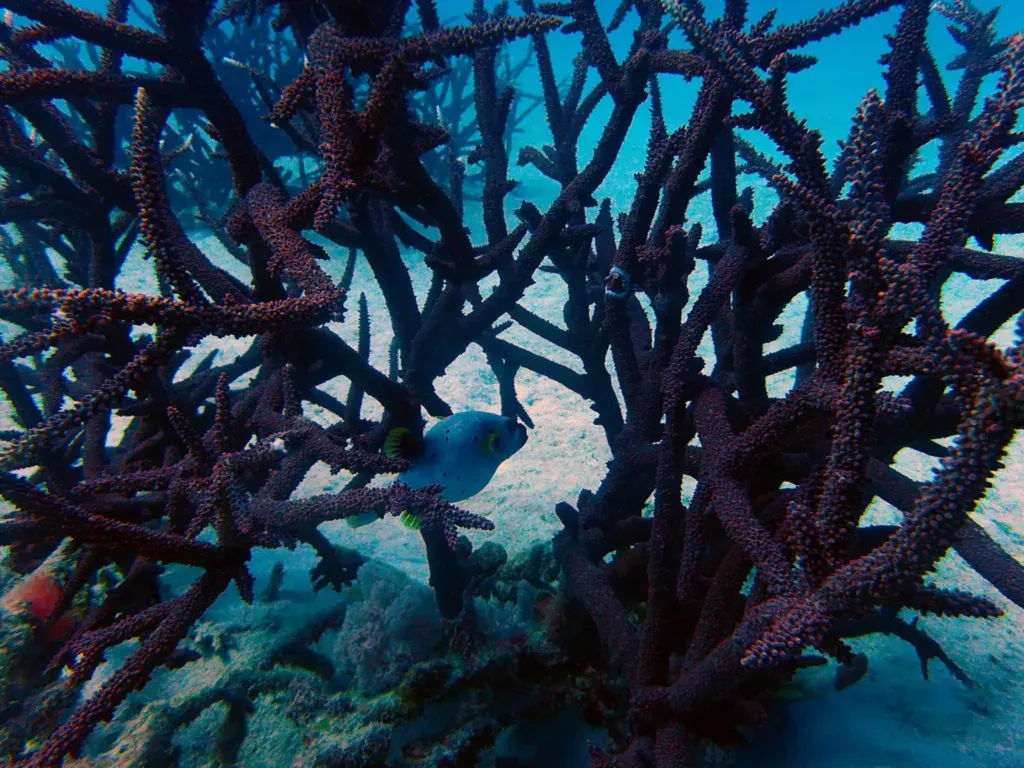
375	630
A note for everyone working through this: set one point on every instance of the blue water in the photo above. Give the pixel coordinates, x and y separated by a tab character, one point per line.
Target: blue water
893	718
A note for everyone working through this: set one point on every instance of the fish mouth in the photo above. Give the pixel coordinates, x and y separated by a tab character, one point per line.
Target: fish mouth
518	432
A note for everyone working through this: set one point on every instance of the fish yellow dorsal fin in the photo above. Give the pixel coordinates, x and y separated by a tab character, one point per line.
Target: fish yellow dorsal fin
402	443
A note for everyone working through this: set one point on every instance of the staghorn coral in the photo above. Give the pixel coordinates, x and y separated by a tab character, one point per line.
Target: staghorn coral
675	617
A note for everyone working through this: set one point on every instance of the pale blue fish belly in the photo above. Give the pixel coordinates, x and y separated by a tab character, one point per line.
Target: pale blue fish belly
460	453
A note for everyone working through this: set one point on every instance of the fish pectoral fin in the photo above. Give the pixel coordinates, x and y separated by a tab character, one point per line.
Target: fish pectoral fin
362	519
411	520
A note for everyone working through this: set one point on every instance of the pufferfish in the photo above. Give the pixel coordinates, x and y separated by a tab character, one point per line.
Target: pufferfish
460	453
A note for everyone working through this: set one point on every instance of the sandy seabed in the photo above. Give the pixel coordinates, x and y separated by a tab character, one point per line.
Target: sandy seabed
894	717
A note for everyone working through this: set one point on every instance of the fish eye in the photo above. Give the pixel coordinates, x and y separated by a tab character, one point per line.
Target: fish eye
492	442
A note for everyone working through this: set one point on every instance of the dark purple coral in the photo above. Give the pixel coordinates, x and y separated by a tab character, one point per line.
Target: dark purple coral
404	132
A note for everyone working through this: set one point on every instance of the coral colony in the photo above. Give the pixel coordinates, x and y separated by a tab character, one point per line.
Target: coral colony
669	619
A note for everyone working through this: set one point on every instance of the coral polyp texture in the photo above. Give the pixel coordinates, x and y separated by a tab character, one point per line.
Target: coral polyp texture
189	189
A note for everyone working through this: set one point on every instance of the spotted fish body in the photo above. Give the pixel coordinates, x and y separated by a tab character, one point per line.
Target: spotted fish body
460	453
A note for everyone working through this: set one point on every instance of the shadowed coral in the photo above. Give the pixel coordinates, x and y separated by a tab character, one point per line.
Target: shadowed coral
676	616
394	626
